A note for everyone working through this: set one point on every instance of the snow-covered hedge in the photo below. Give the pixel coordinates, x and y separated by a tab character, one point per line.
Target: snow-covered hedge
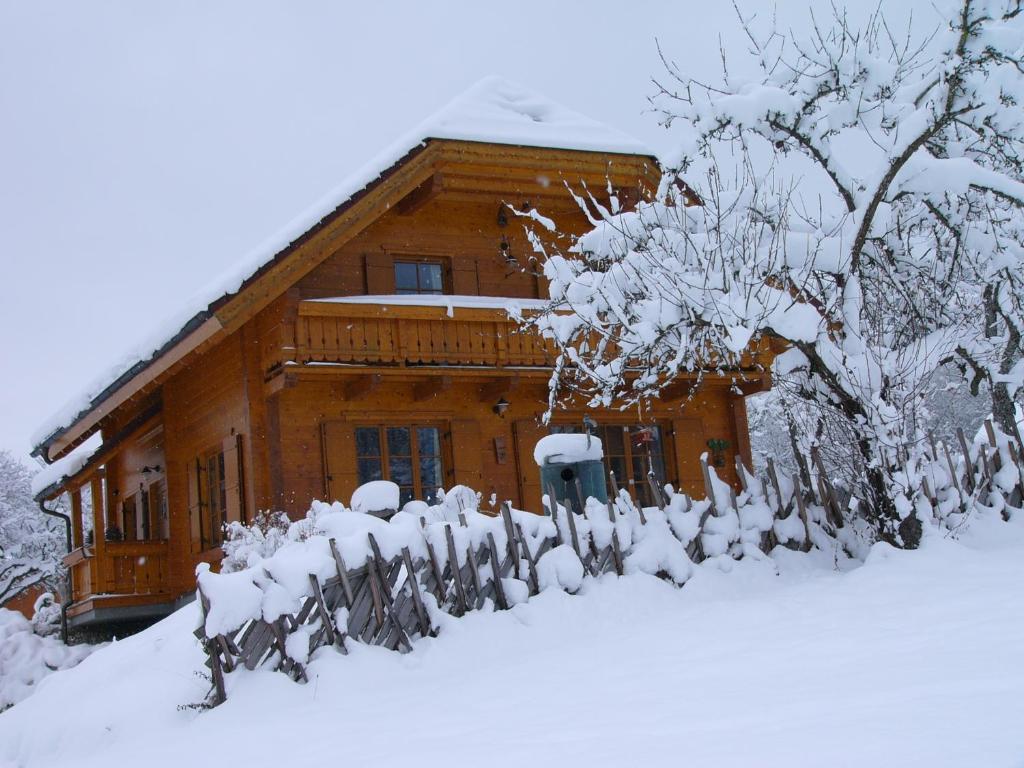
26	657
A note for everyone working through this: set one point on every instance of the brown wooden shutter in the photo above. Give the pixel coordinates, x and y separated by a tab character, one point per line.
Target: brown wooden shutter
526	433
195	506
464	276
467	453
338	443
233	488
689	443
380	274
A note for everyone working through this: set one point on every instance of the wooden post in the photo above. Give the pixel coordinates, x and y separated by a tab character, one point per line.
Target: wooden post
499	589
421	613
774	478
325	616
453	566
656	492
510	536
741	473
709	489
969	466
802	511
440	586
531	564
99	535
339	564
77	538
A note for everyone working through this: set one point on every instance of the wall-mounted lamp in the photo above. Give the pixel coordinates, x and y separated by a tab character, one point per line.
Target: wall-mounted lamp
501	406
502	216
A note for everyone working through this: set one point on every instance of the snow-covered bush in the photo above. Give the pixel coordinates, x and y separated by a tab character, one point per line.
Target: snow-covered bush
246	545
46	614
26	658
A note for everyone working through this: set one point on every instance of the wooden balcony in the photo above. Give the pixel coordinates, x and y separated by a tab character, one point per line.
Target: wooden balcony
126	573
400	335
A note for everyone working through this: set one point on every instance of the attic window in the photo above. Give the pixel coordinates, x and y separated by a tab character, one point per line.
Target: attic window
419	277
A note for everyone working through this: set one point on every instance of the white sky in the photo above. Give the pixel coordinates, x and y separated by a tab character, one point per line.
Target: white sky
146	147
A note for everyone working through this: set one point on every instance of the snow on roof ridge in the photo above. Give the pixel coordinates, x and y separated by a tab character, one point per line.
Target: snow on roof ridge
503	112
492	110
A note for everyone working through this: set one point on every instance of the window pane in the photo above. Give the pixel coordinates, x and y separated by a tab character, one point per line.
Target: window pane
369	469
400	470
367	441
640	467
613	443
405	277
399	443
430	278
430	475
429	441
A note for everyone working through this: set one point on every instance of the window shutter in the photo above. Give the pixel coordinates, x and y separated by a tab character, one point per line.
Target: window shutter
233	489
195	506
689	443
467	460
526	433
338	443
380	274
464	277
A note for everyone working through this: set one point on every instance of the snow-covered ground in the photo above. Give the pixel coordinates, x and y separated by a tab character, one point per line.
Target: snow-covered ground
912	659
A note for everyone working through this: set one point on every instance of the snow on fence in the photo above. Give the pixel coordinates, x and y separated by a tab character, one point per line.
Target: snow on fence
352	577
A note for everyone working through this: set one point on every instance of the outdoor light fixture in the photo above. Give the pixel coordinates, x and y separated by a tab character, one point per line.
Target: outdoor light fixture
502	216
501	406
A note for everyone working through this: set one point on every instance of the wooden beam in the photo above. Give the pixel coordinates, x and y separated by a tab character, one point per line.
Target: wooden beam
498	388
431	388
676	390
280	381
362	386
420	196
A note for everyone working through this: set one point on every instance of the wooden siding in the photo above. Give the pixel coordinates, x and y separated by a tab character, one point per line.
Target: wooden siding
318	440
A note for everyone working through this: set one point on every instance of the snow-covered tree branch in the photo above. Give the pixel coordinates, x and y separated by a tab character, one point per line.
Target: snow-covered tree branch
31	545
861	200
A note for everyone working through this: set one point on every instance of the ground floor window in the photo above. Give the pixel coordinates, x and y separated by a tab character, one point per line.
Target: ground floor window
409	456
630	451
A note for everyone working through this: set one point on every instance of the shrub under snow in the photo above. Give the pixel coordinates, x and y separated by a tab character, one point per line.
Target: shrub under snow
26	658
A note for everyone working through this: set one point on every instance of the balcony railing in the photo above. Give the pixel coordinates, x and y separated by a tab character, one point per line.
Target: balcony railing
124	568
387	334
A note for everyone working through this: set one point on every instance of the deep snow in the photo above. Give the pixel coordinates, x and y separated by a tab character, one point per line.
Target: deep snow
912	659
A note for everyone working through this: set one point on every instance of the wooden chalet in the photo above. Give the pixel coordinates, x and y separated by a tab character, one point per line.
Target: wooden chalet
375	344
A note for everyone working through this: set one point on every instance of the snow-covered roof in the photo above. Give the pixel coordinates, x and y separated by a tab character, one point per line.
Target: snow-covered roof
60	470
493	111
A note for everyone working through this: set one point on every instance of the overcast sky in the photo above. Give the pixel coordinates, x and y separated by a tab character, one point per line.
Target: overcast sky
146	147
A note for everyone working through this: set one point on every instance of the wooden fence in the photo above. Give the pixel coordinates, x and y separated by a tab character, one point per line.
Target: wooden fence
393	601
